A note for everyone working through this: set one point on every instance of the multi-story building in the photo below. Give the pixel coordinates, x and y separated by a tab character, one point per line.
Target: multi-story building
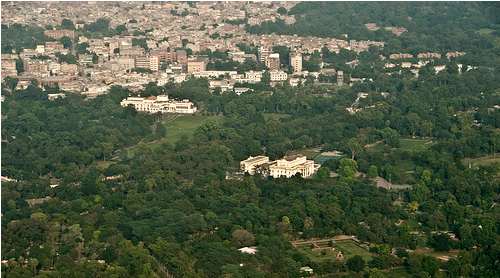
278	75
160	104
285	167
273	61
197	65
68	68
253	76
291	165
296	62
251	165
53	47
340	78
57	34
263	53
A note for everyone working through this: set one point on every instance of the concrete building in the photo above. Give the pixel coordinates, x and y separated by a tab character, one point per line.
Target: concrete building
296	62
285	167
142	62
291	165
57	34
251	164
263	53
278	75
197	65
273	61
340	78
160	104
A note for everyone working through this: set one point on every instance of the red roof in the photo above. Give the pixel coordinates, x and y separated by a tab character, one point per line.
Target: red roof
151	98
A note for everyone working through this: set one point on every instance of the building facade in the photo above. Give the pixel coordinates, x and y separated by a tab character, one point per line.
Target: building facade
251	164
296	62
273	61
57	34
285	167
291	165
160	104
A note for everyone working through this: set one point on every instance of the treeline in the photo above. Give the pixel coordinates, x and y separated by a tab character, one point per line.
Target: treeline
57	138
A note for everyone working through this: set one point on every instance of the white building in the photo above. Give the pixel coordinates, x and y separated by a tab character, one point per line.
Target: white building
278	75
249	165
291	165
160	104
285	167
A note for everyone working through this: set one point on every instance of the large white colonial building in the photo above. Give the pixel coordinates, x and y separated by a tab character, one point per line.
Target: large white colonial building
160	103
285	167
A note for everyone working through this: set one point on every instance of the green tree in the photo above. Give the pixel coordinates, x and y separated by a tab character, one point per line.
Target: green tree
356	263
347	170
282	10
372	172
67	24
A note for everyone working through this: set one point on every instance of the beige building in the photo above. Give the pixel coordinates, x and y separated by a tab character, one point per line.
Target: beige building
57	34
250	165
291	165
197	65
296	62
273	61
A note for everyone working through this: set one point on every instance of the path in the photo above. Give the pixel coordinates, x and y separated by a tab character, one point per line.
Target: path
337	238
171	119
381	182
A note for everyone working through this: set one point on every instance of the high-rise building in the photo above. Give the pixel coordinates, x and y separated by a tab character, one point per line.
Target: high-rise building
263	53
340	78
296	62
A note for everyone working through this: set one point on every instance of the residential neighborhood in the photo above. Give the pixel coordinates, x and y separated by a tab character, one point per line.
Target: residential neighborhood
165	42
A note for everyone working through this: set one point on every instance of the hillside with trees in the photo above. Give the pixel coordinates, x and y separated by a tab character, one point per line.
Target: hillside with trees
94	190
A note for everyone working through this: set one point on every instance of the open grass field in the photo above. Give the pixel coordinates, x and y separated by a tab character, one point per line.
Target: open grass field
317	257
348	248
409	144
184	125
482	160
268	116
397	273
413	224
104	164
311	155
484	31
406	165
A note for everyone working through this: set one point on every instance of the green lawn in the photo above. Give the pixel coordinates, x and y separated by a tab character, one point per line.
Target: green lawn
397	273
309	154
414	144
408	144
413	224
104	164
483	160
349	249
406	165
484	31
268	116
184	125
317	257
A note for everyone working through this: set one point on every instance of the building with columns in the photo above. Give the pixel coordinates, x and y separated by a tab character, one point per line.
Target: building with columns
285	167
291	165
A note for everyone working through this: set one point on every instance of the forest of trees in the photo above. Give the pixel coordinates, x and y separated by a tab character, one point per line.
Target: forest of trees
170	211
